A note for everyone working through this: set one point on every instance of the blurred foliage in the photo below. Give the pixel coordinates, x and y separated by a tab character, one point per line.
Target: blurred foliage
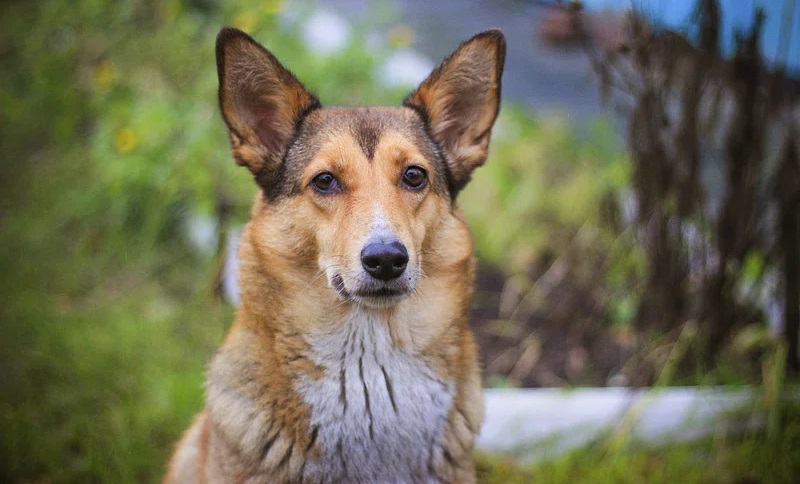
540	186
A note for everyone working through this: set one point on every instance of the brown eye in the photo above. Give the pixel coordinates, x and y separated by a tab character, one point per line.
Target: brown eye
325	183
415	177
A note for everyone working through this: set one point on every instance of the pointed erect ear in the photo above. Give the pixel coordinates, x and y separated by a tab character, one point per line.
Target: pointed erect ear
261	101
460	101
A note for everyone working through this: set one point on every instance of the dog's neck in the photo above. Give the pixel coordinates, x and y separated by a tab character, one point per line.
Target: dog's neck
377	399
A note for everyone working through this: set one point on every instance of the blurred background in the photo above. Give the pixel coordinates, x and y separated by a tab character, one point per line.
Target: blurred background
637	224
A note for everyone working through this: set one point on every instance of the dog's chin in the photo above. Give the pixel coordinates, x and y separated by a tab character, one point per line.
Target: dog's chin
379	298
372	294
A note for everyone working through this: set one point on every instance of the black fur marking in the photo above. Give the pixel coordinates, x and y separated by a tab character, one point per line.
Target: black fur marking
311	443
313	439
389	388
366	395
286	456
367	136
268	445
302	472
343	385
448	457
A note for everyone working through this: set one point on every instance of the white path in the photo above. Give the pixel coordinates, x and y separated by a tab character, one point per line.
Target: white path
539	423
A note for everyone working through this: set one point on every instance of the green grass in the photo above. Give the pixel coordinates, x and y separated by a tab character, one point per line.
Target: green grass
103	346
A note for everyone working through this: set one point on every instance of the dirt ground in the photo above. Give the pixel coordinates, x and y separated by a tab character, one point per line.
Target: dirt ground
558	343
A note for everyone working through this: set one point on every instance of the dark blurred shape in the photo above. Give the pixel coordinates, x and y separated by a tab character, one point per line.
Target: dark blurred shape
713	141
559	25
567	25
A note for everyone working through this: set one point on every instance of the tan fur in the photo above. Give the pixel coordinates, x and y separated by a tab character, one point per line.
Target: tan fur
258	424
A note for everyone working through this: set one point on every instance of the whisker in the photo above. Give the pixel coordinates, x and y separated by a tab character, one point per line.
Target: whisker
341	303
423	274
431	252
417	293
319	274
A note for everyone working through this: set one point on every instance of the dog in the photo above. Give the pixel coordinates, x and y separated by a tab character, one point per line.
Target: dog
350	358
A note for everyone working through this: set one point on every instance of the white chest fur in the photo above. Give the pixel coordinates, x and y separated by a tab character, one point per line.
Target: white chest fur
378	413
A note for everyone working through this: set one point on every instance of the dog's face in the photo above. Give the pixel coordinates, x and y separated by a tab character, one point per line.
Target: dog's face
369	185
358	193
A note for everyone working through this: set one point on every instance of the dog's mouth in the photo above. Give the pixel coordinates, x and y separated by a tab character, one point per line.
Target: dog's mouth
385	292
371	294
379	298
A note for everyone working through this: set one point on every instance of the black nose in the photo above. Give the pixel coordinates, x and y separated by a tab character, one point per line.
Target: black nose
384	261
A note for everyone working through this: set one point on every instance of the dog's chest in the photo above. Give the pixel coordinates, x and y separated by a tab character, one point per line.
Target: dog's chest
378	413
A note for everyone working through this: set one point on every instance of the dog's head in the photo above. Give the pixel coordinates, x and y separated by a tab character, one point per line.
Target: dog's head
358	193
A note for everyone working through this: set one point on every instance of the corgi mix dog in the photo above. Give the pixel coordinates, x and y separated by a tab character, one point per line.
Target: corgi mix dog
350	358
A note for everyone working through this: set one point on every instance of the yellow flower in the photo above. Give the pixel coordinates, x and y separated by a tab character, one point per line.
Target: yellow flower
125	139
104	74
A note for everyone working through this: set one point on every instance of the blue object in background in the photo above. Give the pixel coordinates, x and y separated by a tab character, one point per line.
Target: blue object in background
737	16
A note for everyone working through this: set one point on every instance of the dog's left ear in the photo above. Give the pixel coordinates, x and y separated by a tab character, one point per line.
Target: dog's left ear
460	101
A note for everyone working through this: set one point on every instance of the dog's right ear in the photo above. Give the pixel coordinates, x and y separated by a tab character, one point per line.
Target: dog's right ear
261	101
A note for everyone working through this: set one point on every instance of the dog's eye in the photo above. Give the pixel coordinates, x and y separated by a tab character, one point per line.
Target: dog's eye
415	177
325	183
